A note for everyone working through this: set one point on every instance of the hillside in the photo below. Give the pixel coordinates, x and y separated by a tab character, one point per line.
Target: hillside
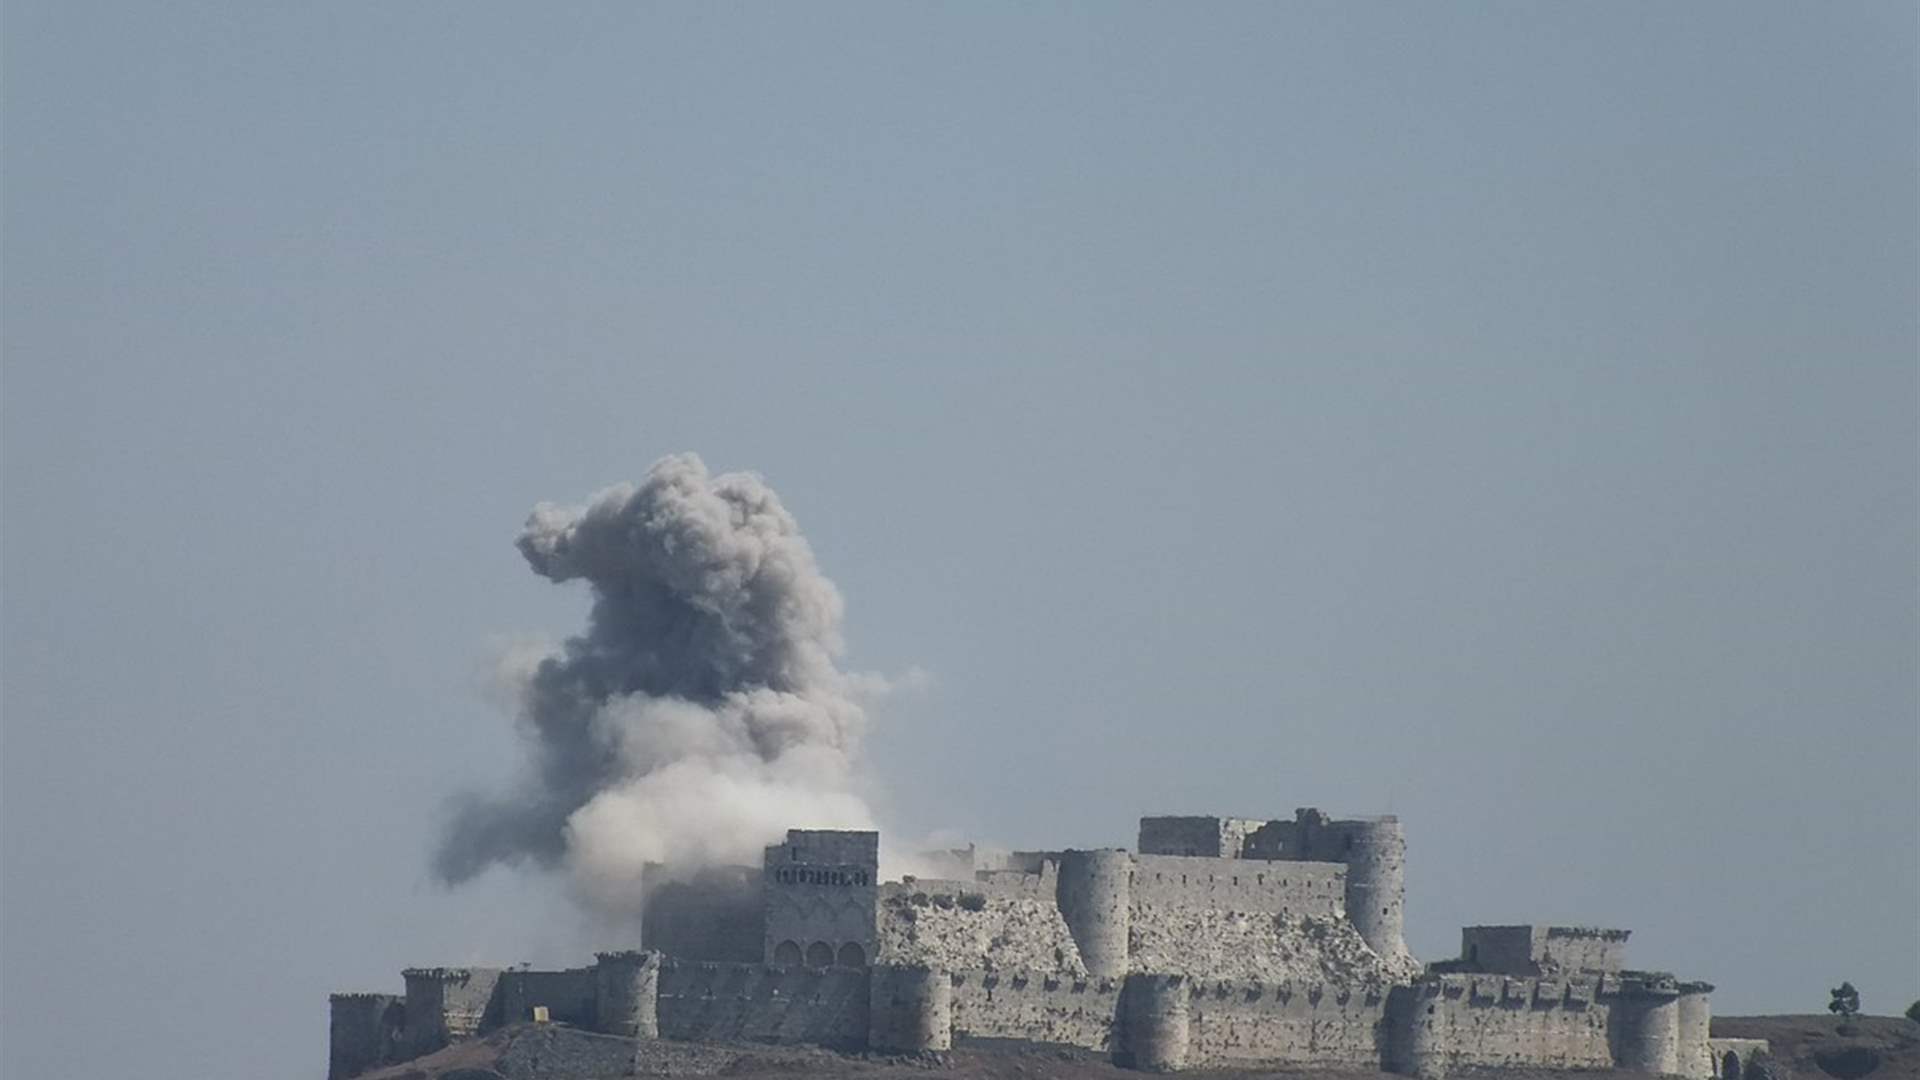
560	1052
1881	1047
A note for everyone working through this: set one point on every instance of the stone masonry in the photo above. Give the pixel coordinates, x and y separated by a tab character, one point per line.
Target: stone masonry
1221	942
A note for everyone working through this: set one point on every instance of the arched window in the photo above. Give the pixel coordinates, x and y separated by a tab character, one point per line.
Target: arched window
819	954
852	955
787	952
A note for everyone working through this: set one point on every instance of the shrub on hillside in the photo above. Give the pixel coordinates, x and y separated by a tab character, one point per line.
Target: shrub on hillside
1764	1066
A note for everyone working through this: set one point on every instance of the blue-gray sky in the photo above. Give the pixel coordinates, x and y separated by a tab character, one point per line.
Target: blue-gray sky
1499	415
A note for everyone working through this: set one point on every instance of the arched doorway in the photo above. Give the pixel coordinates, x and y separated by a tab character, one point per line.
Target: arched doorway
1730	1066
819	954
852	955
787	952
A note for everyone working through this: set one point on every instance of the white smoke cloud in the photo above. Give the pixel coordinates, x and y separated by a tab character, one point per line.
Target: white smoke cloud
702	711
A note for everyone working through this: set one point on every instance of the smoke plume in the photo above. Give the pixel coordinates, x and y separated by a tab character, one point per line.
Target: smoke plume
699	715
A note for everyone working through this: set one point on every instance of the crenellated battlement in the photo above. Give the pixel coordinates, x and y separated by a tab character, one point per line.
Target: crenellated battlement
437	974
1588	932
1224	942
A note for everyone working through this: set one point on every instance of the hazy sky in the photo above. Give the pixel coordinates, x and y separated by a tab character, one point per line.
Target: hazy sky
1503	416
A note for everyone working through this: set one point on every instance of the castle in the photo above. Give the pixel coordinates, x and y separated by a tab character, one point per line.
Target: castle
1218	942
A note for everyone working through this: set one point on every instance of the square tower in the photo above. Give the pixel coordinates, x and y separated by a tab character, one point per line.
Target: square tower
822	890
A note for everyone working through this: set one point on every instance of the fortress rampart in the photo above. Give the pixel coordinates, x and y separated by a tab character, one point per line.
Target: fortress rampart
570	997
1043	1007
1224	942
1312	1024
769	1003
1188	882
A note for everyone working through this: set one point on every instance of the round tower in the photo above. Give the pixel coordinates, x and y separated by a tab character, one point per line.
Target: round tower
1416	1029
1154	1035
627	994
1695	1019
1095	892
1644	1025
1375	852
909	1010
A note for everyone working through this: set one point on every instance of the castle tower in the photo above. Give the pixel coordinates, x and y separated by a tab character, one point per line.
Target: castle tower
910	1010
1695	1019
1416	1032
1154	1023
627	994
427	1008
822	891
1375	852
1644	1026
363	1032
1095	892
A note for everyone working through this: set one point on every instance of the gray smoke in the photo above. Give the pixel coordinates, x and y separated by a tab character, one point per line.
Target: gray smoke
702	711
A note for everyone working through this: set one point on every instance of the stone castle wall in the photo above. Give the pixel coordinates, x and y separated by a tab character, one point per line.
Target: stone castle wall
1190	882
1496	1021
1582	948
763	1003
1226	942
1001	921
1038	1006
568	996
1501	950
1213	837
1309	1024
1372	850
1731	1057
1535	949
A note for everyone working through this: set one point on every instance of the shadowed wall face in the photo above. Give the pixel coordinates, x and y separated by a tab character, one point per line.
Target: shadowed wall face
718	913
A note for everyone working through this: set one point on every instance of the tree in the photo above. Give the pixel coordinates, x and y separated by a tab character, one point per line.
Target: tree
1913	1012
1845	1004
